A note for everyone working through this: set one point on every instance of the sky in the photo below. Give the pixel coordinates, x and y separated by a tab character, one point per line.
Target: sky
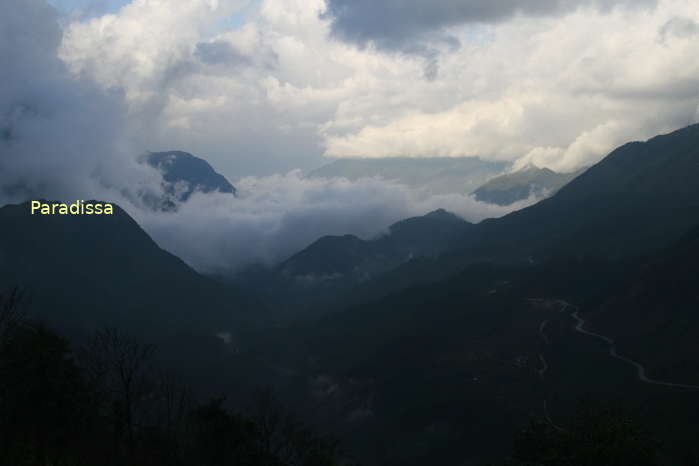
260	88
81	10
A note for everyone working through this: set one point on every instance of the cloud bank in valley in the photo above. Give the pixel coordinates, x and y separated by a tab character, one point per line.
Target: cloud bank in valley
276	216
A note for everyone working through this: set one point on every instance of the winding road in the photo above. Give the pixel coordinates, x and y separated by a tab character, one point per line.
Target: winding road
641	372
544	366
640	369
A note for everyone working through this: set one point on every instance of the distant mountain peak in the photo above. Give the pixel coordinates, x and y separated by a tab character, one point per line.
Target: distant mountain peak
184	174
521	184
348	255
438	213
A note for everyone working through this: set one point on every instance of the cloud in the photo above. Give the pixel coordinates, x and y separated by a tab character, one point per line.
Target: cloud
539	89
191	84
276	93
144	45
679	27
500	80
66	137
395	25
274	217
62	136
220	53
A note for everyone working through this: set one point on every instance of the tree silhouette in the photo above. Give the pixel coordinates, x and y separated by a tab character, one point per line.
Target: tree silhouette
42	397
119	366
111	406
596	435
10	313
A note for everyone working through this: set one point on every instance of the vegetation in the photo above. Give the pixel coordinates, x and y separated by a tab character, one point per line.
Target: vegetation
108	404
596	435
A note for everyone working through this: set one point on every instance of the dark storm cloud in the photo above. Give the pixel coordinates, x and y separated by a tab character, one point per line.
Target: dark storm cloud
681	27
60	135
221	53
394	24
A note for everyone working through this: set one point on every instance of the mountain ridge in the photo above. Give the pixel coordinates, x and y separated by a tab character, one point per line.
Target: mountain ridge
511	187
638	199
184	174
422	236
81	263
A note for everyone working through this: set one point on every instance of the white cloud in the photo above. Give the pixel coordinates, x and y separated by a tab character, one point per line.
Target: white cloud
570	87
64	137
277	92
140	47
61	137
274	217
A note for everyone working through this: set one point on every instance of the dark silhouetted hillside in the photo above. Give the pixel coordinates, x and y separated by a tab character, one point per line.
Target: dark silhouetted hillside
654	317
85	271
184	174
640	198
349	257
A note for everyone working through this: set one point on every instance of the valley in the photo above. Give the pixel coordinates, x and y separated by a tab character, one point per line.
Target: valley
349	233
438	334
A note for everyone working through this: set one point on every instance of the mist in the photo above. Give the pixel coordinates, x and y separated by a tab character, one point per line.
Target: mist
276	216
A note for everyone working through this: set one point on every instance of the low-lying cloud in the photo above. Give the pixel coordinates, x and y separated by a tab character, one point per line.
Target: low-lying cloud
274	217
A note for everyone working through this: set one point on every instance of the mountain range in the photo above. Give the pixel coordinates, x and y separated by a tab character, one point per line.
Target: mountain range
441	353
351	257
431	343
640	198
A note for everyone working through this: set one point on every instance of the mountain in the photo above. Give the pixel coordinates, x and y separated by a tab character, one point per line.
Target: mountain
490	342
183	174
81	272
438	175
322	277
640	198
531	181
653	317
351	258
438	366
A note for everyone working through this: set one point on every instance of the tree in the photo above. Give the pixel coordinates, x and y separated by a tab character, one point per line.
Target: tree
42	397
10	313
596	435
283	439
119	365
